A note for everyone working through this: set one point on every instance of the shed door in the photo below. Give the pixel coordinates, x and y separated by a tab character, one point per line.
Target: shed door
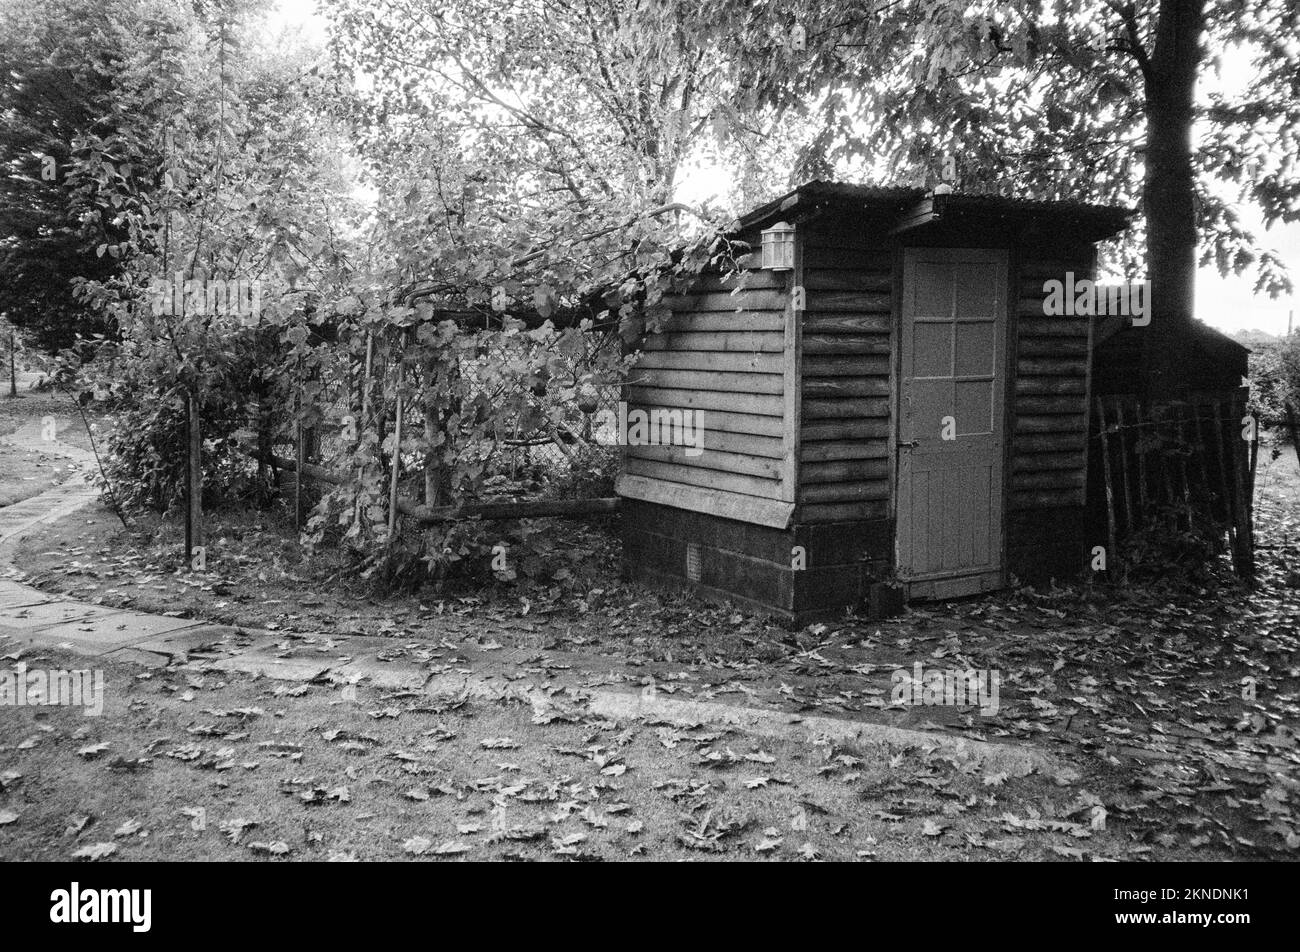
950	421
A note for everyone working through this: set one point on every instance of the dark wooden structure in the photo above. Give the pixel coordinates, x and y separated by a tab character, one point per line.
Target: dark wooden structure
894	413
1182	465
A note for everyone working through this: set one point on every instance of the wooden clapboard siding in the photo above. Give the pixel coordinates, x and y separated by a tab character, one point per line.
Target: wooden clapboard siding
854	302
843	470
710	458
709	479
721	421
821	255
875	365
1054	499
753	279
738	301
705	380
694	323
819	321
845	344
757	362
1059	347
748	342
827	279
722	353
762	404
1040	462
846	389
724	441
1060	423
843	511
1049	398
841	430
835	387
823	450
845	409
712	502
858	489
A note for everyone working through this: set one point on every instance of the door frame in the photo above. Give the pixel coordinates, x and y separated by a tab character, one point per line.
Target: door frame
1002	262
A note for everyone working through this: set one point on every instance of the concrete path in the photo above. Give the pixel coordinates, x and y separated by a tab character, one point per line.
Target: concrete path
34	619
30	616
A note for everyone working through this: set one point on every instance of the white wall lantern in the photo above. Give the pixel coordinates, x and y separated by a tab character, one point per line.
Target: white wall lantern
778	247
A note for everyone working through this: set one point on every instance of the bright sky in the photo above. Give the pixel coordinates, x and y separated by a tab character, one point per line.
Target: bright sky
1226	303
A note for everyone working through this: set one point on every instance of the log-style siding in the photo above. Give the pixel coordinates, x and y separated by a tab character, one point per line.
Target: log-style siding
846	389
1049	390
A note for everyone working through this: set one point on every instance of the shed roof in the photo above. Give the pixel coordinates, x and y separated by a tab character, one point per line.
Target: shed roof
915	206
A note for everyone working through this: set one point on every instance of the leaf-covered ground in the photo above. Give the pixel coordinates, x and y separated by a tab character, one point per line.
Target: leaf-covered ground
187	763
1179	707
32	406
28	473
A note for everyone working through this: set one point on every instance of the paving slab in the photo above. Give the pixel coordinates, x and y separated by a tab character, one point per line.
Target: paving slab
203	638
279	669
147	659
16	595
104	633
54	613
397	675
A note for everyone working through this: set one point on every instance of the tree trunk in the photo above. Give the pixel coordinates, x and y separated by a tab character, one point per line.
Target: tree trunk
1169	194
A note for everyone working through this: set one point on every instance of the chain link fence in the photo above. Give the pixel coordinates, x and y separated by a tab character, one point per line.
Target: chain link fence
336	406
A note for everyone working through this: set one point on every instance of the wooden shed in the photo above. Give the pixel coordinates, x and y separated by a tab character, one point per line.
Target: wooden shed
893	413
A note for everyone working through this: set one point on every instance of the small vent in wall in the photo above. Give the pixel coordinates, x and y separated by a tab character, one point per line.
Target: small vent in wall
693	561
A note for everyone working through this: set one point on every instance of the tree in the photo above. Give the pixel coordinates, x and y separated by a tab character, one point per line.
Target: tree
1088	100
221	172
538	126
56	86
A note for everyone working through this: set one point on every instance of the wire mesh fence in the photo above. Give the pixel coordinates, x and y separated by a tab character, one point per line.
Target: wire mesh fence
346	395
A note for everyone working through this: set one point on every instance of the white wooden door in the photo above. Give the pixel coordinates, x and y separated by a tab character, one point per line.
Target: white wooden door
950	421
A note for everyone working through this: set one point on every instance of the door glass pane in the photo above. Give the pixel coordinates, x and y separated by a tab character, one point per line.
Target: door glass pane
976	294
975	348
932	287
932	350
931	401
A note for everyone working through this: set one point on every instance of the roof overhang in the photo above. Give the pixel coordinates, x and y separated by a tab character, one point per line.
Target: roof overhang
909	209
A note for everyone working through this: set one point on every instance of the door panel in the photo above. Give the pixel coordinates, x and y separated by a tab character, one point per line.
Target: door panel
952	365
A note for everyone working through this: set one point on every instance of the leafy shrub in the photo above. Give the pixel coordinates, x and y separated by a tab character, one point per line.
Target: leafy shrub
1275	378
148	449
148	453
589	473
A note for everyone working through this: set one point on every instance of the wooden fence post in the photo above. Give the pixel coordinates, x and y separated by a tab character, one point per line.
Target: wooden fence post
1243	556
297	448
1113	552
397	454
1293	425
194	480
1123	465
1229	508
